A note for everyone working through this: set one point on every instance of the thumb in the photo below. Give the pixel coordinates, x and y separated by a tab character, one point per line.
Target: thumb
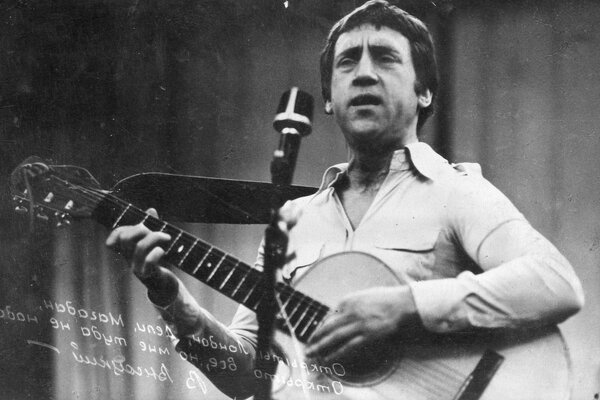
289	214
162	285
152	212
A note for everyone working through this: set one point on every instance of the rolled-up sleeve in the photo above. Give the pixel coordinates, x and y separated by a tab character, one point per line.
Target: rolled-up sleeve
524	282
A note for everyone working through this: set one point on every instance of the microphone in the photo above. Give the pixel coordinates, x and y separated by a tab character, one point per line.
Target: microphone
293	121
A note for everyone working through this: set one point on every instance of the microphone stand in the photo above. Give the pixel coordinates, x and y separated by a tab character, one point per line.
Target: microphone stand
276	240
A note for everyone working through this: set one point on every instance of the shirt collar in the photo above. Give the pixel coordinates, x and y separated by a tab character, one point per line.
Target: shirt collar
418	155
425	160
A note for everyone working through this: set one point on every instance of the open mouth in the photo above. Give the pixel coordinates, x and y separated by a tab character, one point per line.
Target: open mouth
365	100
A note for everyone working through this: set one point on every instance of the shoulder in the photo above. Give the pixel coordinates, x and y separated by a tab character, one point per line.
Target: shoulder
466	191
432	166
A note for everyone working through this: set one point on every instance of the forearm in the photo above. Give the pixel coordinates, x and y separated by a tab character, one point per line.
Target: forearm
533	289
224	354
224	357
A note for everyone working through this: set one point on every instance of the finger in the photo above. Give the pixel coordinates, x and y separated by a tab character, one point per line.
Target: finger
289	214
123	233
124	238
144	246
113	237
331	324
325	345
342	352
150	266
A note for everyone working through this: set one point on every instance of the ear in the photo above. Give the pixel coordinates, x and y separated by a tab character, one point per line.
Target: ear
328	107
425	98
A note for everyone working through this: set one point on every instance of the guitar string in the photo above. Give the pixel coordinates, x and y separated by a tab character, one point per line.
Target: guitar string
297	345
442	371
424	380
433	370
96	196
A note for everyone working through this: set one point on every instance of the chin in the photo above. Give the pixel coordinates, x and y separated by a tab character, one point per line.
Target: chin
371	142
364	128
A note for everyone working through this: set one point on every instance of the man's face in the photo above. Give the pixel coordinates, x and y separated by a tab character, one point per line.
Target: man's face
373	93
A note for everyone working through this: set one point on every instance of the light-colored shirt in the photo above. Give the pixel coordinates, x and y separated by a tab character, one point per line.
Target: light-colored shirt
470	257
444	230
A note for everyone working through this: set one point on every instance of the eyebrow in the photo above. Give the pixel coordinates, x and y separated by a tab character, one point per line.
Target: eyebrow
355	51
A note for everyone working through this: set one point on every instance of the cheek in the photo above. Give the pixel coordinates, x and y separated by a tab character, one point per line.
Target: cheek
335	90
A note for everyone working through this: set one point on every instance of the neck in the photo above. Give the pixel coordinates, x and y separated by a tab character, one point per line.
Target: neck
369	162
368	171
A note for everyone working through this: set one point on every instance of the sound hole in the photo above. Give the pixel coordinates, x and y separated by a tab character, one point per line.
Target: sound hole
367	366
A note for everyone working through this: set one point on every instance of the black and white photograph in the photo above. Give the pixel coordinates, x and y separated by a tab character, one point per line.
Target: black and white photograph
299	200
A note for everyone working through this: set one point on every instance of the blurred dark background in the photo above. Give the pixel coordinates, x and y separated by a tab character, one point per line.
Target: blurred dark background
121	87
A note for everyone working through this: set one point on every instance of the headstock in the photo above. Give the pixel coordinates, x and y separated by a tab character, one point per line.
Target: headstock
57	193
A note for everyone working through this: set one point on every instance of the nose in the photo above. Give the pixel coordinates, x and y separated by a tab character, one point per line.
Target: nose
365	73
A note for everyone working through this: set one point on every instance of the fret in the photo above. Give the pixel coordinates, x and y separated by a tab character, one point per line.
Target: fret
121	216
221	276
233	268
250	293
216	268
202	261
296	327
321	313
311	322
284	305
173	242
145	218
241	282
210	267
302	314
187	252
226	274
246	290
290	315
154	224
255	300
164	225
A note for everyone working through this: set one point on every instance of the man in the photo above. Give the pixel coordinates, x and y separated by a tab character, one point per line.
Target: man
469	258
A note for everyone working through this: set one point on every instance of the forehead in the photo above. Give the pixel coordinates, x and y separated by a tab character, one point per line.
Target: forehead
371	36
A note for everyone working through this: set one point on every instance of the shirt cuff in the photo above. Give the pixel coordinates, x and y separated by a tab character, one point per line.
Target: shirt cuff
184	315
438	304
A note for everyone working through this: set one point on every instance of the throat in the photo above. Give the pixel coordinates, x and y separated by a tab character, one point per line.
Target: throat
363	180
356	199
366	173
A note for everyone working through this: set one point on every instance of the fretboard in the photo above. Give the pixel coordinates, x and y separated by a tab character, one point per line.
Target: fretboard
217	269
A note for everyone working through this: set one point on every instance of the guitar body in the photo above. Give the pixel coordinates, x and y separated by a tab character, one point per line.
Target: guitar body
534	365
500	364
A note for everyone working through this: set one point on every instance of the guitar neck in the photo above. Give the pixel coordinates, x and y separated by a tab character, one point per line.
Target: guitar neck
217	269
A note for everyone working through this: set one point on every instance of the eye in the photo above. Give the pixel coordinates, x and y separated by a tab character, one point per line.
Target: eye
388	58
346	62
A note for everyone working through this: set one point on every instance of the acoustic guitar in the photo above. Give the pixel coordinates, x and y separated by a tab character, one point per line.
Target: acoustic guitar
499	364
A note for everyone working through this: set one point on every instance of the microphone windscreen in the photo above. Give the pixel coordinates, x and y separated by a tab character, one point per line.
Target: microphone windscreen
295	110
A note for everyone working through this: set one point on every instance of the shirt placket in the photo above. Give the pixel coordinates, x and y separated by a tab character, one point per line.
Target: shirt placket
346	225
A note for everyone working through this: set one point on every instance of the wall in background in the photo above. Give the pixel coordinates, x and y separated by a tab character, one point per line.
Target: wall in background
525	106
187	87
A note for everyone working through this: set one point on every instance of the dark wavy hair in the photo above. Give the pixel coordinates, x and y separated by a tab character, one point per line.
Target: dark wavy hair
380	13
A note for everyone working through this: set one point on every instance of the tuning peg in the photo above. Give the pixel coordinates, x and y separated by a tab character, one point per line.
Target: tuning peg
21	209
62	219
42	216
63	223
